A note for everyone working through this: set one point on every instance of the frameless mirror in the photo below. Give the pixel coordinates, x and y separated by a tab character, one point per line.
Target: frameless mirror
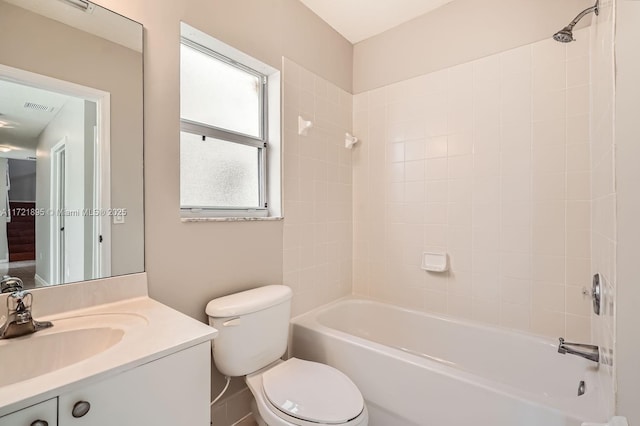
71	135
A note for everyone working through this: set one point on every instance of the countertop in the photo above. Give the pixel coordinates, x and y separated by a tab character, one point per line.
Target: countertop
155	331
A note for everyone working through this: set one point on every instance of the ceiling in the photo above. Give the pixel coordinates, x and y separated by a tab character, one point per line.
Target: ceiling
20	125
358	20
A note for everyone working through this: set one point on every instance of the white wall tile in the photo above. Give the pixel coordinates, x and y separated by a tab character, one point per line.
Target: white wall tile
516	61
549	105
551	132
436	147
578	71
578	100
515	316
515	291
436	169
317	187
549	76
414	170
491	162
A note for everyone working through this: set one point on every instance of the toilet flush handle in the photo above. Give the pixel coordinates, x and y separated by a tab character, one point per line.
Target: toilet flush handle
231	322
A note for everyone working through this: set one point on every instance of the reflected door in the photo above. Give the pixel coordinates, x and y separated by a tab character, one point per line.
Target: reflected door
58	207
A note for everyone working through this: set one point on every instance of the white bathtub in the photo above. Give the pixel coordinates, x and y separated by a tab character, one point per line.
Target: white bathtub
420	369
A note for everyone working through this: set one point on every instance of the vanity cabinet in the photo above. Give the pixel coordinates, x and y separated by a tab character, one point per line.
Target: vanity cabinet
170	391
42	414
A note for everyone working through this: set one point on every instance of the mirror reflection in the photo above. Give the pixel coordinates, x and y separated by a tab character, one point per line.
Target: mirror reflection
71	191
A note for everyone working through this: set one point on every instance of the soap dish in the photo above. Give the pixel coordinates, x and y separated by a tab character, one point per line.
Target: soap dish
435	262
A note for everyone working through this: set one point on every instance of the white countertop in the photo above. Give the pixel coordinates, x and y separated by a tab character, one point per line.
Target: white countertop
155	331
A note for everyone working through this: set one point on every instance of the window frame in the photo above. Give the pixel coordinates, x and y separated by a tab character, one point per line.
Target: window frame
261	143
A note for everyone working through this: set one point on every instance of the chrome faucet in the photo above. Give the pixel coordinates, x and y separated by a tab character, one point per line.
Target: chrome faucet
10	284
19	320
592	352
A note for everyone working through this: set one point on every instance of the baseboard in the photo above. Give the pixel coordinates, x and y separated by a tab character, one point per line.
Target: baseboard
246	420
39	281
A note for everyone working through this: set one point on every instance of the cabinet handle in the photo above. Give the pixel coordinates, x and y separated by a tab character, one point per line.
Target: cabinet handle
80	408
40	423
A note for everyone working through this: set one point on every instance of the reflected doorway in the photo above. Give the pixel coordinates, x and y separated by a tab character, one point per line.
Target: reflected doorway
20	227
58	204
59	226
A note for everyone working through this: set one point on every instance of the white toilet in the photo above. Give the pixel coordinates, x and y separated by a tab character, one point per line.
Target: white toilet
253	333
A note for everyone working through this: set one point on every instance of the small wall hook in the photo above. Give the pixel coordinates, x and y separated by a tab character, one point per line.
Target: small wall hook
349	140
304	126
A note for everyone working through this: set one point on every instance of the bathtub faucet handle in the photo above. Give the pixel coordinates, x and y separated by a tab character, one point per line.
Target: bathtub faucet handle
561	349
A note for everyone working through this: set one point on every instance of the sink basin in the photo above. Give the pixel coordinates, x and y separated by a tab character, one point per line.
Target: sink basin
69	341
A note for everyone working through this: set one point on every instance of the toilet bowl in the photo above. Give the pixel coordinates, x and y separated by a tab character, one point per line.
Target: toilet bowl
253	332
305	393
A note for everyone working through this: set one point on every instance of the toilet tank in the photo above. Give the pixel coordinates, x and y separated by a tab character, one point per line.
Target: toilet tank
253	328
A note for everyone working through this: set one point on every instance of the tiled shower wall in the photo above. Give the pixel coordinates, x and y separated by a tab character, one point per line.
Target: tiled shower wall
488	161
603	238
317	189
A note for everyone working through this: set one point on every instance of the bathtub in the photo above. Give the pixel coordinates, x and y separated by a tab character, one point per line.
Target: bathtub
420	369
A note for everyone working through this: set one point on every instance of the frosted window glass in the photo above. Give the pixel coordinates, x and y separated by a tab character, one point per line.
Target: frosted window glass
218	94
217	173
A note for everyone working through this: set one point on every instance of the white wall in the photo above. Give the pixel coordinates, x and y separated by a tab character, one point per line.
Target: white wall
23	180
488	161
215	258
459	32
69	123
627	176
317	235
603	193
188	264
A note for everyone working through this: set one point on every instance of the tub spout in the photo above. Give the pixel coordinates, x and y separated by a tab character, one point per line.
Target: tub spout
590	352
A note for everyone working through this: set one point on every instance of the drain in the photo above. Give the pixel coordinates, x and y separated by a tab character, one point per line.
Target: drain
581	388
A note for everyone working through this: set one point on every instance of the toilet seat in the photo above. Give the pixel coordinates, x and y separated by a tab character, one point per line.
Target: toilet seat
302	392
312	392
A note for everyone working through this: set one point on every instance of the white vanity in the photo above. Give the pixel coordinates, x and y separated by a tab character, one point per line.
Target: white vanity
113	357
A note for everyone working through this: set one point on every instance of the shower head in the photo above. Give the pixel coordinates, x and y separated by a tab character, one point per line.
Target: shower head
565	35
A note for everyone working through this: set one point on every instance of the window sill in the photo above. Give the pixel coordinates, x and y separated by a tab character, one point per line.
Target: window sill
231	219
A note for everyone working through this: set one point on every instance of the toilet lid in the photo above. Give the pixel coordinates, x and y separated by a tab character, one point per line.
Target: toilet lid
313	392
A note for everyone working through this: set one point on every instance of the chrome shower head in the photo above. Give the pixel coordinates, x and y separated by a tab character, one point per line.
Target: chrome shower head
565	35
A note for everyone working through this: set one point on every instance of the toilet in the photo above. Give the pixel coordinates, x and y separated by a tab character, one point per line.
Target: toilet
253	333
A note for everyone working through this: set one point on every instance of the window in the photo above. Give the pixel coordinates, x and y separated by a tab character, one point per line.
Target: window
225	134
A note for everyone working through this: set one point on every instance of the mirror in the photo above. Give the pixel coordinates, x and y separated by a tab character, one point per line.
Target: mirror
71	136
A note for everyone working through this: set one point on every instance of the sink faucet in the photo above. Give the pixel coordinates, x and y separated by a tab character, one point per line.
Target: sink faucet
592	352
10	284
19	320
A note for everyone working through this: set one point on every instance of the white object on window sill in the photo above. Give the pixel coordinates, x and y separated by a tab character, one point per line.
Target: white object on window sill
231	219
435	262
304	126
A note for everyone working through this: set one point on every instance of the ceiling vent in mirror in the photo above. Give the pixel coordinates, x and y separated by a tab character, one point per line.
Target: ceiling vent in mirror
38	107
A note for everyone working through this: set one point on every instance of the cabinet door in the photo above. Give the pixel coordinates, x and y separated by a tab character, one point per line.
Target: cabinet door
171	391
42	414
